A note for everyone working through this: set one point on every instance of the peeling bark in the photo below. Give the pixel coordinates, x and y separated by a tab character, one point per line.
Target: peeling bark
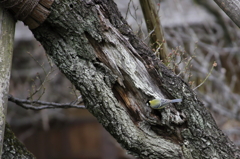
116	73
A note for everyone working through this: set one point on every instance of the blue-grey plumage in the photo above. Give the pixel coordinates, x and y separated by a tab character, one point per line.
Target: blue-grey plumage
160	103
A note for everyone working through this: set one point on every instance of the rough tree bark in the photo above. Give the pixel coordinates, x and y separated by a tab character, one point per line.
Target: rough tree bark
116	73
12	148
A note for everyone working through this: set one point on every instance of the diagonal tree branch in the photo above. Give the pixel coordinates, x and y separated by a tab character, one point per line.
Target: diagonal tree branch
117	73
158	44
231	8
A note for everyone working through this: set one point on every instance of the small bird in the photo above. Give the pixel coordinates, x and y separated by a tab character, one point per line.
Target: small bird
160	103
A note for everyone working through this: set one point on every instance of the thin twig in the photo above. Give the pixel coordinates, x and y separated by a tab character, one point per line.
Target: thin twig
149	34
42	83
128	8
28	104
214	65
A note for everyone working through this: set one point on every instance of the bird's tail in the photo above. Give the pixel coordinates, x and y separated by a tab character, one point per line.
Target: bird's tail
175	100
168	101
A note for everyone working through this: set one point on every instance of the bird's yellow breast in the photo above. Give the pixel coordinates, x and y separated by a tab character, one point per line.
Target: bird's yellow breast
154	102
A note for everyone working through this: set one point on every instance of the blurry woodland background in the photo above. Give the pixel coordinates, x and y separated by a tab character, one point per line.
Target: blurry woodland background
197	33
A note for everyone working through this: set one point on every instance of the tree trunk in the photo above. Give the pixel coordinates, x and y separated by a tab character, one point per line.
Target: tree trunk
7	28
117	73
11	148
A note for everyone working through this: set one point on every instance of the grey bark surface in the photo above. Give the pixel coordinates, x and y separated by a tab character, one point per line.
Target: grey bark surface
116	73
7	28
13	148
231	8
10	147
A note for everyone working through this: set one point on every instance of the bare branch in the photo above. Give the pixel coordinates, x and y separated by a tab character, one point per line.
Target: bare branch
28	104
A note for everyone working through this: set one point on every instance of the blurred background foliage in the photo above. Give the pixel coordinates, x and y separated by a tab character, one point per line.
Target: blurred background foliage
197	34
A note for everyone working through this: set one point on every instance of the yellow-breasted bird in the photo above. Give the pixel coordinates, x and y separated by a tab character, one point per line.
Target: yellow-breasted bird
160	103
